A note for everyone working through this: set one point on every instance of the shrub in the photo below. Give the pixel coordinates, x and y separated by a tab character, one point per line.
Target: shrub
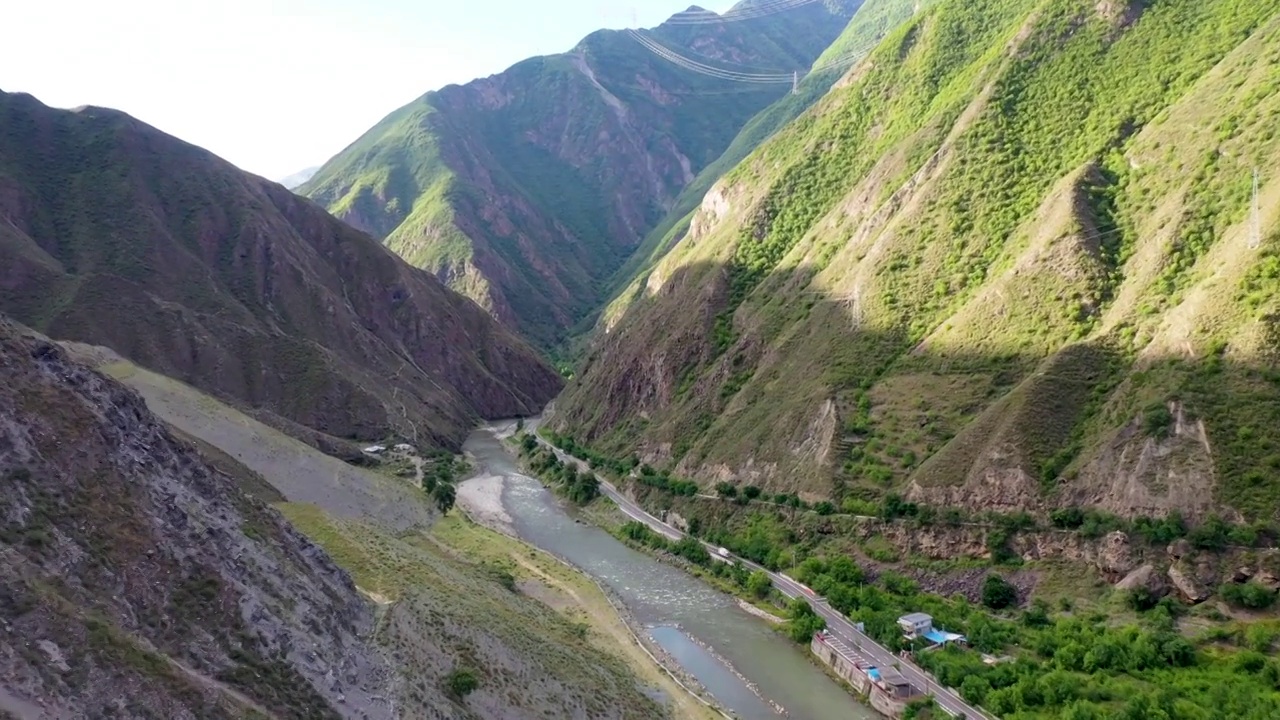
461	683
759	584
1249	595
998	593
1157	421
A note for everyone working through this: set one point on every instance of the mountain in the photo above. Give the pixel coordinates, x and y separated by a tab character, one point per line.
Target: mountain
295	180
116	234
873	20
1009	262
528	189
141	575
180	597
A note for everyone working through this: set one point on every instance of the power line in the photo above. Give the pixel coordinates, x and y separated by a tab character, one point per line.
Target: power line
707	17
702	68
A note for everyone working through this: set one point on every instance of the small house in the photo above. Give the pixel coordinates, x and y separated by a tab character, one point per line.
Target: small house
895	684
404	448
375	449
915	624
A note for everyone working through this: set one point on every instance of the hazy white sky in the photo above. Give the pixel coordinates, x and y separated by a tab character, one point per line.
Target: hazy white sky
279	85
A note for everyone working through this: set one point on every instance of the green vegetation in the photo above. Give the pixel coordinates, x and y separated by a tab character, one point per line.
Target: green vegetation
1060	667
450	613
802	621
461	683
997	593
1015	244
580	487
425	178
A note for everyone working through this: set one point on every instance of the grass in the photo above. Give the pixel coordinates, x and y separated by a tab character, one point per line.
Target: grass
427	177
451	600
993	250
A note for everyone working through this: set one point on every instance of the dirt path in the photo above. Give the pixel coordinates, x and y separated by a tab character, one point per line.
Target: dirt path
225	690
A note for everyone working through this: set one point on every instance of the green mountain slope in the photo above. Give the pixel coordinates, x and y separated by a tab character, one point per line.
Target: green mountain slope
116	234
527	190
1009	263
873	20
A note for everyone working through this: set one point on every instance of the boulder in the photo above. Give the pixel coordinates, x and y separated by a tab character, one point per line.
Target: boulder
1115	557
1268	580
1185	582
1242	574
1145	577
1179	549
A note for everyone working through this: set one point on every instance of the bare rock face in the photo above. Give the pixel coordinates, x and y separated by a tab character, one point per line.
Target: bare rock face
1115	558
1187	584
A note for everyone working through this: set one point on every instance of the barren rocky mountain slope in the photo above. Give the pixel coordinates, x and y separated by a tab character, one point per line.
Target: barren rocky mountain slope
138	579
144	577
116	234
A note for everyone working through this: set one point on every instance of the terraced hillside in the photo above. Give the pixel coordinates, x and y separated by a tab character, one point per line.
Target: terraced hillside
116	234
1009	262
527	190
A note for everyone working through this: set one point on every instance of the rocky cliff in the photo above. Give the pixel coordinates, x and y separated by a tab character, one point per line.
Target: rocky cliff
528	189
116	234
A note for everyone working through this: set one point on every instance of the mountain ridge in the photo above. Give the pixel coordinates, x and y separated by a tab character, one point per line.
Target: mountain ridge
119	235
525	190
947	292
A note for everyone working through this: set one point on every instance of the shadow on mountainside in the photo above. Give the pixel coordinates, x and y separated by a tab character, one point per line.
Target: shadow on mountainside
795	395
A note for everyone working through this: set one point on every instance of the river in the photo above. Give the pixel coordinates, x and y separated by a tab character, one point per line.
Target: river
682	614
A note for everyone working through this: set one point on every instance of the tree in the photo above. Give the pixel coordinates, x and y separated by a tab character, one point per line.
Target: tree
444	495
461	683
529	443
726	490
974	689
759	584
802	621
751	492
997	593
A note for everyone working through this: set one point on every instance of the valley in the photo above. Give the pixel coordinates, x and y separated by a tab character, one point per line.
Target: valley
811	359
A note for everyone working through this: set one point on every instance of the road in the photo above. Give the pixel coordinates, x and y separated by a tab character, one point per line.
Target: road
856	646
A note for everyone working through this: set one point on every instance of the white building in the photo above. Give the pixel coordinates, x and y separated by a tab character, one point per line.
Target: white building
915	624
375	449
404	448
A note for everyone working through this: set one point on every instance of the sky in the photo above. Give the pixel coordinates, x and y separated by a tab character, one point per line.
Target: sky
276	86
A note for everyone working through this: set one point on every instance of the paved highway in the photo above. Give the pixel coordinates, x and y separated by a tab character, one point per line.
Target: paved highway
850	642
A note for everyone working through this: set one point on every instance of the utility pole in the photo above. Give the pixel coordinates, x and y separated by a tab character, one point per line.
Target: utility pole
795	81
1256	238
